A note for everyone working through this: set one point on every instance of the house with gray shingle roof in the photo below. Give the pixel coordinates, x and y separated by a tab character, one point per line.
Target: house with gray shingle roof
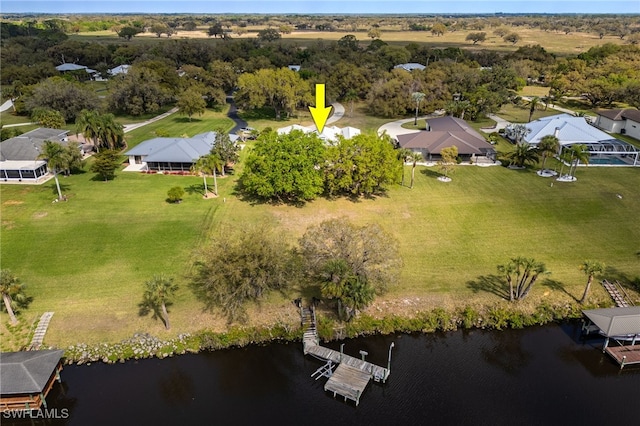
19	155
445	132
171	154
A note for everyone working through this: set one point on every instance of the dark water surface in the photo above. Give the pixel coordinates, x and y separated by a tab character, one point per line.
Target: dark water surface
537	376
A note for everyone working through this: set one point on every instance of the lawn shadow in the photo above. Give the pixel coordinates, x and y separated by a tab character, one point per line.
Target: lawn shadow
558	286
490	284
429	172
186	120
612	274
195	189
254	200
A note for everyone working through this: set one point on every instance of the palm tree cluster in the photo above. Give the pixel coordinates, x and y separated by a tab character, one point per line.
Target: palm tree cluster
574	155
60	158
521	274
101	129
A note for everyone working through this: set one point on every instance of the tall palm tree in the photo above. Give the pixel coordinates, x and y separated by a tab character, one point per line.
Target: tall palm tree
580	153
12	290
56	158
417	98
88	123
414	158
358	295
403	155
534	104
590	268
523	154
208	164
158	292
547	147
110	133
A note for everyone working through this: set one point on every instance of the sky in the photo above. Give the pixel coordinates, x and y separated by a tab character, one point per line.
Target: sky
320	6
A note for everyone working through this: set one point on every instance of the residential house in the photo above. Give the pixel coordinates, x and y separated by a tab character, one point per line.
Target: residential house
445	132
570	130
19	156
171	154
623	121
330	134
410	66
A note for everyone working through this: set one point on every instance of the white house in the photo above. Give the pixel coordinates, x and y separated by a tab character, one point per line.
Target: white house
329	134
623	121
75	67
570	130
120	69
410	66
173	155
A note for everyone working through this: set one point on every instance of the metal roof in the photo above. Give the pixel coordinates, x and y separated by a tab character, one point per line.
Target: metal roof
570	130
70	67
410	66
616	321
176	150
27	372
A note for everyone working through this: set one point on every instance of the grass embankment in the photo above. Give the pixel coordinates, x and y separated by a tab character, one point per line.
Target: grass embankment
86	259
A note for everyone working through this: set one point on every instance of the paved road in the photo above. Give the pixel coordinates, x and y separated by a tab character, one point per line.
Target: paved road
338	113
233	114
130	127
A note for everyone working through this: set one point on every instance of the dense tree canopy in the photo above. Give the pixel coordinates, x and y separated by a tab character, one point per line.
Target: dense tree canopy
64	96
285	167
241	266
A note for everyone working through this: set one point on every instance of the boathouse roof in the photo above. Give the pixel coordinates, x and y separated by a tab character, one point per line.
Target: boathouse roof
27	372
616	321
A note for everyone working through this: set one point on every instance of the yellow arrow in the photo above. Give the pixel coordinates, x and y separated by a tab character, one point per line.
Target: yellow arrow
320	113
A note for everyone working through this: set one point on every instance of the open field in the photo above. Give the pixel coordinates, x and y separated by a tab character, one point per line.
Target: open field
555	42
86	259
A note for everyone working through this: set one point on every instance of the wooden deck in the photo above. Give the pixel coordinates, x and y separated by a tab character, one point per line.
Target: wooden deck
352	375
624	355
348	382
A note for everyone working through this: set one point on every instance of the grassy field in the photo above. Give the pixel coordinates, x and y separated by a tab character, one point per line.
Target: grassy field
555	42
86	259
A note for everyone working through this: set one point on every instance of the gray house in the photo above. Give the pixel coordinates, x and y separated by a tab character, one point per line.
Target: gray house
19	155
172	155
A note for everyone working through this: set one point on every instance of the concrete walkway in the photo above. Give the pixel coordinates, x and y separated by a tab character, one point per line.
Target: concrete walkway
41	330
130	127
6	106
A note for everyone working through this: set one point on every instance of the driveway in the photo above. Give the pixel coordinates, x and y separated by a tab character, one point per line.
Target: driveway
129	127
233	114
338	113
6	106
395	128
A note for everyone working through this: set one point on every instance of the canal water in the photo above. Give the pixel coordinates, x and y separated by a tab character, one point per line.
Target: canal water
536	376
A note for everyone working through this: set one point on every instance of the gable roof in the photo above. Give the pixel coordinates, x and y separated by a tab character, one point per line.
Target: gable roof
329	133
571	130
27	146
620	114
27	372
120	69
176	150
446	132
410	66
616	321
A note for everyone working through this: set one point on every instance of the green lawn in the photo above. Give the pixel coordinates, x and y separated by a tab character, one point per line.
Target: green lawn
520	114
86	259
177	125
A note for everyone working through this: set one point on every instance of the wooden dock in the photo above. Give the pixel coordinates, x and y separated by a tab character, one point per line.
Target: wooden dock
617	293
352	375
624	355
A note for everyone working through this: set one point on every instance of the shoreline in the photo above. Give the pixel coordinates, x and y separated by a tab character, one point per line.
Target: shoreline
492	317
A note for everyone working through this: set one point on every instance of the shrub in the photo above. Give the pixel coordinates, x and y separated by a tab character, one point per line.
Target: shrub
175	194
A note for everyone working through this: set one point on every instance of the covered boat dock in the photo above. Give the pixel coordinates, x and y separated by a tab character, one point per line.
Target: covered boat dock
621	325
